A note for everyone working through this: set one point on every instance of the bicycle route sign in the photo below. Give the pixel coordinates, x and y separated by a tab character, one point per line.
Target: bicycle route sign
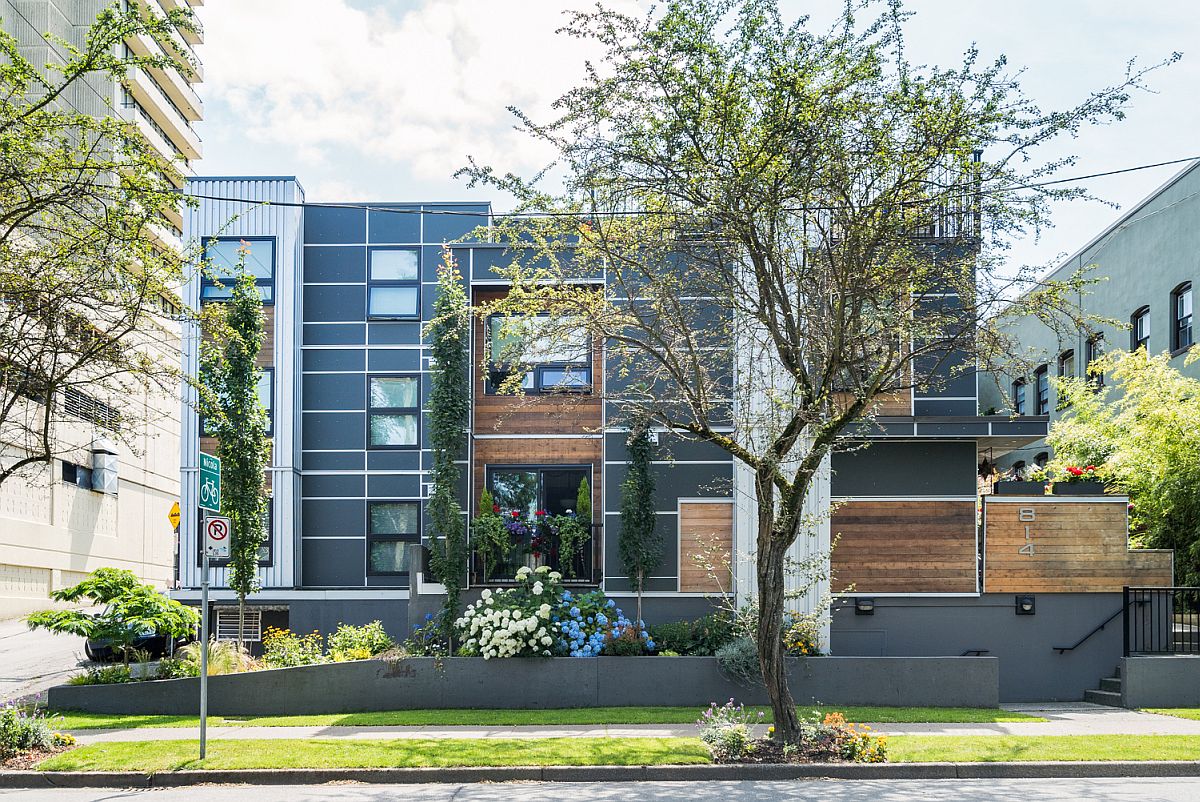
210	483
216	536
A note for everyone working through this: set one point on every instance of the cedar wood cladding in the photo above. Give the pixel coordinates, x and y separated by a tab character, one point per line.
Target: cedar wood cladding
904	547
1078	547
566	413
705	532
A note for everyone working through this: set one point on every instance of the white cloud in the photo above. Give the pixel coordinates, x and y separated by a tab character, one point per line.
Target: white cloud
423	89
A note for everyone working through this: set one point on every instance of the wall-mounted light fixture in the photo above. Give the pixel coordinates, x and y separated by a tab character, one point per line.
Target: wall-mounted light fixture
864	607
1025	605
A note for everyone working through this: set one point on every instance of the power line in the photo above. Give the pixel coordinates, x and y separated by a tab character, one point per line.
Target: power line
634	212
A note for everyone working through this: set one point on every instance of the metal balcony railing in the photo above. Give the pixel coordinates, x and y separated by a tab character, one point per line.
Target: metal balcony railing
1162	621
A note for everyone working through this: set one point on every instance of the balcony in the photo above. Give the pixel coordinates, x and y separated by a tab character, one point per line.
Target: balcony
152	100
540	548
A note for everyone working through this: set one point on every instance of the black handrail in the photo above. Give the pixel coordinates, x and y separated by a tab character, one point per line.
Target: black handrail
974	653
1078	643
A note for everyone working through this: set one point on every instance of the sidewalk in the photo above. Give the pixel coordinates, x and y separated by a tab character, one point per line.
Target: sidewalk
1078	718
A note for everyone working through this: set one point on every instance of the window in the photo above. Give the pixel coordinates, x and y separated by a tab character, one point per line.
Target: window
1094	350
1066	364
221	260
1018	396
394	284
529	489
391	527
1139	329
1041	404
1181	321
1041	459
394	411
77	475
560	356
1019	470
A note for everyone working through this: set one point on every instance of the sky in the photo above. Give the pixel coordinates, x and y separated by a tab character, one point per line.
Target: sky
371	100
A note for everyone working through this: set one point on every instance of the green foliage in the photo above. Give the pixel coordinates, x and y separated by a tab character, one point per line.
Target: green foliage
104	675
224	657
583	503
234	414
1142	432
358	643
573	534
130	608
82	282
283	648
449	403
177	668
513	622
22	732
639	543
738	659
701	637
489	538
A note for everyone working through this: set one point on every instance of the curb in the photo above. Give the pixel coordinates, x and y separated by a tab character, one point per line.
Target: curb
568	774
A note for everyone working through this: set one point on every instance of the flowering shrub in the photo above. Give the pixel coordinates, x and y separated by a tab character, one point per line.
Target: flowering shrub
590	621
726	731
802	634
22	732
283	648
516	622
852	742
1073	473
426	639
358	643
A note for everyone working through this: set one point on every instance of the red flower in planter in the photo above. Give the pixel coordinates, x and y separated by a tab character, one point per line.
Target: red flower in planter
496	508
1074	471
540	513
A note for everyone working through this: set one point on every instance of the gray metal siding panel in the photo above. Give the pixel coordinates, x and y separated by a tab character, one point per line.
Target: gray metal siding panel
906	469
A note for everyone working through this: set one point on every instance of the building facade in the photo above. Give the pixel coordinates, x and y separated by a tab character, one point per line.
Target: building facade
103	504
350	289
1144	268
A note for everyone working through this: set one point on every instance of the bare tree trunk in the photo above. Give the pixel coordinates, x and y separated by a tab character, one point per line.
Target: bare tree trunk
770	559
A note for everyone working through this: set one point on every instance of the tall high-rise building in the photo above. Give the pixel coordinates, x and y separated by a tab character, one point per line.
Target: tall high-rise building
104	503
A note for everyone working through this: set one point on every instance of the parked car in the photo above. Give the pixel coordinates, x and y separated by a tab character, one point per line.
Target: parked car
103	650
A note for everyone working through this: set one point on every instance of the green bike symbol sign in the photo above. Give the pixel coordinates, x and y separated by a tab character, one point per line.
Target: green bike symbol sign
210	483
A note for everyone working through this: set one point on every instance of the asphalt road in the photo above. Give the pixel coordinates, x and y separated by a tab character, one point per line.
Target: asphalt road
30	662
1099	790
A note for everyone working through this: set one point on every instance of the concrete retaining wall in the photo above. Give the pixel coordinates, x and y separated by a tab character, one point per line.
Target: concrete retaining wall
551	683
1160	681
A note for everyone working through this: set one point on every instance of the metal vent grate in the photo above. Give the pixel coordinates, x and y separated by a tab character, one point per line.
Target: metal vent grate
227	625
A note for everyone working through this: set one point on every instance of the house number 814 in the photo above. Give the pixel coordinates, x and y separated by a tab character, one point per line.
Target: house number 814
1027	514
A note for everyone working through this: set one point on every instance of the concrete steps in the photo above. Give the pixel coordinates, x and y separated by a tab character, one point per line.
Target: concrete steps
1109	692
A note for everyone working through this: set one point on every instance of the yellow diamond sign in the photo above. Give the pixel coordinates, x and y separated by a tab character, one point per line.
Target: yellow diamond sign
173	515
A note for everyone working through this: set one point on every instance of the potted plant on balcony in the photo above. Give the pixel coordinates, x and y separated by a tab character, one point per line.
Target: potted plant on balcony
1077	481
1014	483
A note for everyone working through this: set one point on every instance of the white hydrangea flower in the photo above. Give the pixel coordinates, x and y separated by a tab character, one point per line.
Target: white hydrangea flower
555	575
487	594
538	588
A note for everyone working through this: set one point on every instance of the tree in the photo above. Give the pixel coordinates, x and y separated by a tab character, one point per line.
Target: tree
234	414
640	543
1142	431
449	400
130	610
84	291
782	218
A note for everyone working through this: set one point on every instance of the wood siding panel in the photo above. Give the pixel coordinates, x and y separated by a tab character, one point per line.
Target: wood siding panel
536	451
704	527
904	547
1078	547
886	404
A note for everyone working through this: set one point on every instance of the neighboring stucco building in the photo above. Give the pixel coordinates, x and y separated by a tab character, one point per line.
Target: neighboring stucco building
103	505
1145	266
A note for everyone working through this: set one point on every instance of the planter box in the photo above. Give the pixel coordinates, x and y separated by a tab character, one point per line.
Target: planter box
523	684
1078	488
1019	488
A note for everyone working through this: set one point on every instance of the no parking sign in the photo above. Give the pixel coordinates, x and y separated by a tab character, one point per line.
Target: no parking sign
216	536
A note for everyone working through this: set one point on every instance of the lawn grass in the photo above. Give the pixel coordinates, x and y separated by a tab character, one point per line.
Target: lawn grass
1000	748
1178	712
162	756
508	718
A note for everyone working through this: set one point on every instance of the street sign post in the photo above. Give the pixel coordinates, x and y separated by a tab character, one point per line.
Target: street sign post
216	536
210	483
217	531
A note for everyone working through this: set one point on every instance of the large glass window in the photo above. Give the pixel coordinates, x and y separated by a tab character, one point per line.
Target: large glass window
220	267
559	356
394	284
1181	328
394	411
529	489
1139	329
1018	396
1095	350
1042	398
391	527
